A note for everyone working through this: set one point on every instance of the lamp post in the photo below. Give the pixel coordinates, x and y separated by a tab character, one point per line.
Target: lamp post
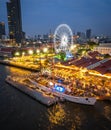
17	53
23	53
45	50
39	52
31	53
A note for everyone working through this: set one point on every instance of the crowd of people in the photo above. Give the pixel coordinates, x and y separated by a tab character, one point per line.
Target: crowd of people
90	85
76	82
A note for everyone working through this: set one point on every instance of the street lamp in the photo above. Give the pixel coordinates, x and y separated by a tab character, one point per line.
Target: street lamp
30	52
23	53
45	50
17	54
37	51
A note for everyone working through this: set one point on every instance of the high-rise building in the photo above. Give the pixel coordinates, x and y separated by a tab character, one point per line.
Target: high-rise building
88	33
2	29
45	38
15	20
81	35
39	37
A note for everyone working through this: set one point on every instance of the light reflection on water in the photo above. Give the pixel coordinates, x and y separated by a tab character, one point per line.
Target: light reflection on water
17	71
107	112
56	115
20	111
61	115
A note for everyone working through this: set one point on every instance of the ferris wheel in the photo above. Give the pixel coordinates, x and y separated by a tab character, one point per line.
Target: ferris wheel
63	38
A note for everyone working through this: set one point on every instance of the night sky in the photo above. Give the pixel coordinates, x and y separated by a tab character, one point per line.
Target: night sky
39	16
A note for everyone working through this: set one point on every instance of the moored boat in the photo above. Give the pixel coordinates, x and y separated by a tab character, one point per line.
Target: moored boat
61	94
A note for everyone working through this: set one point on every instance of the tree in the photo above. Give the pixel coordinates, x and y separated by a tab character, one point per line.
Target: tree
107	56
81	51
61	56
92	44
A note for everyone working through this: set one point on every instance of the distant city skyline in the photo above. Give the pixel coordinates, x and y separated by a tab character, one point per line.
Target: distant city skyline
39	16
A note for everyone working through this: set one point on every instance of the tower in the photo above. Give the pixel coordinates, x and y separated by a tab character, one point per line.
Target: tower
88	33
2	29
15	20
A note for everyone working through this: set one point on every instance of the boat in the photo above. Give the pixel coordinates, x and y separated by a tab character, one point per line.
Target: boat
59	92
77	99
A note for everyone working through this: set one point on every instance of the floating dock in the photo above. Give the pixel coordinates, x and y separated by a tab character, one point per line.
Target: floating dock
38	95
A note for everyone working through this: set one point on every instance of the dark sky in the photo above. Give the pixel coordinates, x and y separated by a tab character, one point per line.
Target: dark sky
39	16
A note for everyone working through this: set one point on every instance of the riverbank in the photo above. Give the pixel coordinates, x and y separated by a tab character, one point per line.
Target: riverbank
21	66
88	91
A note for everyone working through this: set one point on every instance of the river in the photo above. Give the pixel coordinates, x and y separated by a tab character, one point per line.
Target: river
20	112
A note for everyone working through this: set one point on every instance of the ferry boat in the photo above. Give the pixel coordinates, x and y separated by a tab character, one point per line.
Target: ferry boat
59	91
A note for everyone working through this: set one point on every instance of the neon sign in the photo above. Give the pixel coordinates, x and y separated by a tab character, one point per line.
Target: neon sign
59	88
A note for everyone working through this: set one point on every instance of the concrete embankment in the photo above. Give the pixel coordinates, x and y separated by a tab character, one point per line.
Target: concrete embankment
37	95
19	66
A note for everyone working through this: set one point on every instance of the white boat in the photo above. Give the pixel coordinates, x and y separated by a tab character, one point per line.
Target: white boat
75	99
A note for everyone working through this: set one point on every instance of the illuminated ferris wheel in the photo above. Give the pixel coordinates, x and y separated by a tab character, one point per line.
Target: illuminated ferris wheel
63	38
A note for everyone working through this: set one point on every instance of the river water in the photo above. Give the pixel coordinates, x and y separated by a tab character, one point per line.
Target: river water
20	112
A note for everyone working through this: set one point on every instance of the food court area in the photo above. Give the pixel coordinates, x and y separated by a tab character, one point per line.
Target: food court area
83	80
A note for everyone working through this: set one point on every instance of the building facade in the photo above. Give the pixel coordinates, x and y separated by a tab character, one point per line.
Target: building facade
104	48
15	20
2	29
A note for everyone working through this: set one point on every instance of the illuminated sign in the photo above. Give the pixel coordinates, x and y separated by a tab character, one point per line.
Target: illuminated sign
59	88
